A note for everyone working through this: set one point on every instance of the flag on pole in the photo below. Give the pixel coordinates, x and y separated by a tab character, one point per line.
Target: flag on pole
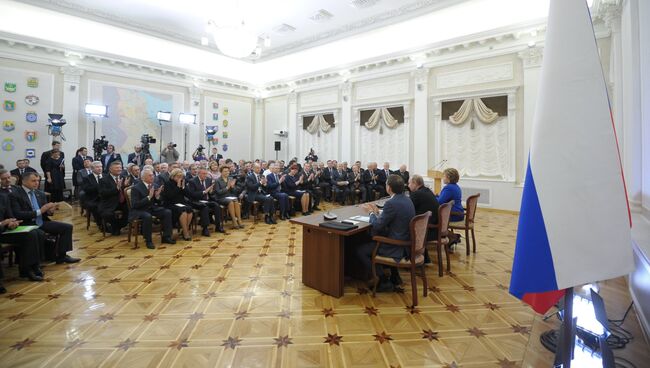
574	223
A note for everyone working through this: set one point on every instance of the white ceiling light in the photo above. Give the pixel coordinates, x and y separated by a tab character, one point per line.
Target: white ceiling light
235	41
205	41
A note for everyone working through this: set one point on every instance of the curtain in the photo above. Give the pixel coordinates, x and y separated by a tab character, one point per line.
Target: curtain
484	113
381	114
318	121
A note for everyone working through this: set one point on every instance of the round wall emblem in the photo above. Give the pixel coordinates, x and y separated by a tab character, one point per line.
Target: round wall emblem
32	100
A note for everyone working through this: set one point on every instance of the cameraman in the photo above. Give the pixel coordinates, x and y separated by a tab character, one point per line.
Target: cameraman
137	157
198	155
169	154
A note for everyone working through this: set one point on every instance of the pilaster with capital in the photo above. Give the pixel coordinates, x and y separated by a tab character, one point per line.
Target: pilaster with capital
346	132
532	61
419	157
74	131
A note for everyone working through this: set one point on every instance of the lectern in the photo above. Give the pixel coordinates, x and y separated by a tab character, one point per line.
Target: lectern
436	175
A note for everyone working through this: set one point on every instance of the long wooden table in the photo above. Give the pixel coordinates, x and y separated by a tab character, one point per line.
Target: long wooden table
324	260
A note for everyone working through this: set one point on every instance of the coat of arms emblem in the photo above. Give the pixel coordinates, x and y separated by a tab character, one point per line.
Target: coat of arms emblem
32	82
9	105
8	125
32	100
10	87
31	117
30	135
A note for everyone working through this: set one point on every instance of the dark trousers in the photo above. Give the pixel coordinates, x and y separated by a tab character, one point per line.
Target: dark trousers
29	245
364	193
64	233
364	255
341	194
314	196
163	214
283	201
376	187
93	209
207	211
326	189
116	222
266	201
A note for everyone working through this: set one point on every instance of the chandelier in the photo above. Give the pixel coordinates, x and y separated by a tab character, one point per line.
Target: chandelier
234	40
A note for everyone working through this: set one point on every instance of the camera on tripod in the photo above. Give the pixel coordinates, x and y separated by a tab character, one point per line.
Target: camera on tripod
99	145
146	140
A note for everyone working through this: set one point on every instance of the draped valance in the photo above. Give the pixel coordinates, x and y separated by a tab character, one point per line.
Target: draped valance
391	116
317	123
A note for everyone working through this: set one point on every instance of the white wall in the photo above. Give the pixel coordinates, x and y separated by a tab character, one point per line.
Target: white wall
276	116
239	125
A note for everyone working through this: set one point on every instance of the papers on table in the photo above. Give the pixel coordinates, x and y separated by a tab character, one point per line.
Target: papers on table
21	229
361	218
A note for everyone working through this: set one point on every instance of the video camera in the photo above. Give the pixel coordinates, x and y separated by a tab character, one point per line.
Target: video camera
146	140
99	145
200	148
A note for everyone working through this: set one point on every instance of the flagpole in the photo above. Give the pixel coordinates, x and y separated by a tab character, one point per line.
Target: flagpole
567	329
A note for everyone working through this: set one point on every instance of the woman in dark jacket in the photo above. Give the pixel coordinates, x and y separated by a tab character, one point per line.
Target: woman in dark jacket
228	197
290	186
55	175
173	197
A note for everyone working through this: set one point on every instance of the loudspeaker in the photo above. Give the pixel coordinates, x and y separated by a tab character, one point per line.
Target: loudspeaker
277	146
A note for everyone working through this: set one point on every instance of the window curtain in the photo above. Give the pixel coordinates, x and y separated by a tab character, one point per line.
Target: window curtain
484	113
379	115
319	122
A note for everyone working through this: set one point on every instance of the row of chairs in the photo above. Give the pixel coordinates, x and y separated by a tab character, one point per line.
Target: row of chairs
418	227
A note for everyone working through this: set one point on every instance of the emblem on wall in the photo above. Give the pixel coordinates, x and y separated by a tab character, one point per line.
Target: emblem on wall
215	139
225	111
215	105
10	87
31	117
9	105
215	116
224	147
32	82
8	144
8	125
225	123
30	153
30	135
225	135
32	100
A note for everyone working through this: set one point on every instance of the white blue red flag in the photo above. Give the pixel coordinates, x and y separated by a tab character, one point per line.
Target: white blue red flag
574	224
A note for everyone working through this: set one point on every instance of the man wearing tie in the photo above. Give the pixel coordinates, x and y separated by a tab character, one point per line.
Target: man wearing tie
254	187
376	180
112	198
21	168
81	175
137	157
273	184
341	184
325	180
110	156
201	193
29	205
387	170
145	204
90	190
78	165
5	183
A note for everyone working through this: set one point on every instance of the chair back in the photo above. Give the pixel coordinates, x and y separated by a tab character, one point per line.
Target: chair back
419	226
471	203
127	194
444	212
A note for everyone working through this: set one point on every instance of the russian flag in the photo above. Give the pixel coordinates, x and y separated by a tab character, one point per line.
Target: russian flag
574	224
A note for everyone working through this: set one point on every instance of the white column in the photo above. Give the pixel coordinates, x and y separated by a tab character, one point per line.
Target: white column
644	78
72	112
418	155
532	62
345	129
437	134
612	17
259	130
193	135
292	127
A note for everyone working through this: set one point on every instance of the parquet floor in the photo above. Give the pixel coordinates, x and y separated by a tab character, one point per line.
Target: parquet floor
237	301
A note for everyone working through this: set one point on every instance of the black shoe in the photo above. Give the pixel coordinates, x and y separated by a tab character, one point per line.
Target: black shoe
272	220
205	232
31	276
37	270
67	259
395	279
2	289
150	245
315	208
385	286
168	241
266	220
221	229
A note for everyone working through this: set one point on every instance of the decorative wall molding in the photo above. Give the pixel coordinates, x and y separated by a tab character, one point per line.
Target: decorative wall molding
71	74
382	89
532	57
319	98
480	75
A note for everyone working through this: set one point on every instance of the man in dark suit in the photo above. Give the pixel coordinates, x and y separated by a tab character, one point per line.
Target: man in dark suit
424	200
145	204
200	190
137	157
192	173
111	198
394	223
110	156
80	176
21	168
376	181
273	187
78	165
163	175
29	205
341	184
90	190
404	174
325	180
56	145
254	192
28	243
5	183
309	184
387	171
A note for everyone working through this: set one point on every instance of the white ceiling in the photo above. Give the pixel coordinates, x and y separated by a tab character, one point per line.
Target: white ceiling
292	25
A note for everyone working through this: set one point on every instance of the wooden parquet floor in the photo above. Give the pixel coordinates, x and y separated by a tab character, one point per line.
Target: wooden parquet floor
237	301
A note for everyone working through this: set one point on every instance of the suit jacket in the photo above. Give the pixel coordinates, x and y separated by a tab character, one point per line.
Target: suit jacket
133	158
326	175
354	182
108	195
162	179
108	158
90	187
13	189
140	201
272	185
394	222
221	189
195	189
21	206
253	185
424	200
405	175
5	209
339	176
46	156
16	172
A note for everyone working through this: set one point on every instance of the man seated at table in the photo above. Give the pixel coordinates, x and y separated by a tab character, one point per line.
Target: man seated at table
145	204
29	204
28	243
393	222
424	200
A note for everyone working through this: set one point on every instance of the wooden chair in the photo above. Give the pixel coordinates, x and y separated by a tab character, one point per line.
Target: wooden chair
10	250
444	211
135	224
418	228
468	224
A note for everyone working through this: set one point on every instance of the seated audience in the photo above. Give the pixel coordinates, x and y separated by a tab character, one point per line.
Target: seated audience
22	166
227	196
341	184
394	223
112	205
451	191
29	205
255	182
424	200
200	192
404	174
310	185
357	182
273	187
90	191
291	186
145	203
